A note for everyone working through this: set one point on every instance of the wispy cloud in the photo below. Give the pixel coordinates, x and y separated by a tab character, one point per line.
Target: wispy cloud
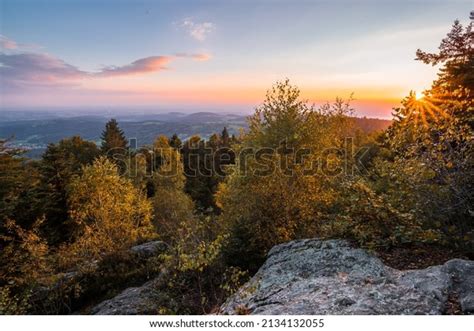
26	70
31	69
141	66
149	64
7	43
198	30
195	56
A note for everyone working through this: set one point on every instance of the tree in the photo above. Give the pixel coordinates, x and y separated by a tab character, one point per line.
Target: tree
269	198
214	141
198	172
204	167
13	180
225	139
172	207
431	144
456	53
59	164
26	265
114	143
108	213
175	142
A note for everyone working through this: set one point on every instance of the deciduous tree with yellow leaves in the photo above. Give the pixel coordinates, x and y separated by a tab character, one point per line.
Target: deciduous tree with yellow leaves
108	212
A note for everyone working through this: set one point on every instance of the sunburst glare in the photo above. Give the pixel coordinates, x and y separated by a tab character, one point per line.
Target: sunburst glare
422	109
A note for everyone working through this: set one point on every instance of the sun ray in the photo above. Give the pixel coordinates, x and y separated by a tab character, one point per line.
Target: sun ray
422	108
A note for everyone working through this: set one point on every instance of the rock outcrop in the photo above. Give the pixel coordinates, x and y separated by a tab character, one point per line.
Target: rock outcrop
142	300
97	278
143	251
330	277
149	249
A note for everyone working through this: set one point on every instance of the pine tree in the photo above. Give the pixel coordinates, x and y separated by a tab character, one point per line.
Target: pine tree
114	145
113	139
225	139
454	88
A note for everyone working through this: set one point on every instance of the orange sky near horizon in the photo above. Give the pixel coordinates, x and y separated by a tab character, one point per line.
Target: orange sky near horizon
197	56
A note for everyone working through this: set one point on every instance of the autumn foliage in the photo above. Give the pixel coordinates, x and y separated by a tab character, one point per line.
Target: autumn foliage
299	171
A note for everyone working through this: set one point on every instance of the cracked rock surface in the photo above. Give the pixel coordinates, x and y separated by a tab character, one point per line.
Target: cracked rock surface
316	277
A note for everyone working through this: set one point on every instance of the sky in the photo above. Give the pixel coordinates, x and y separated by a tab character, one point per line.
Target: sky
216	55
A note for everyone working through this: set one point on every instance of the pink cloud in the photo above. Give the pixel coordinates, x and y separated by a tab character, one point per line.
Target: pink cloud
35	69
31	69
7	43
149	64
141	66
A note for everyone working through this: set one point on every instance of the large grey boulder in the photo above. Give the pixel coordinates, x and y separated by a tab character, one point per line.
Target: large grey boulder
330	277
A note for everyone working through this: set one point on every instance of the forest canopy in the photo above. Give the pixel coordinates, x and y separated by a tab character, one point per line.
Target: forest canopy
220	204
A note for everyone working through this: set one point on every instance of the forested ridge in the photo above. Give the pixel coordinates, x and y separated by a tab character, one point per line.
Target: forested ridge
220	204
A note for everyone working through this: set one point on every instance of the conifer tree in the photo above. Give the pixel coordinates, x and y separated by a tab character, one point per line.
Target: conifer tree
113	138
114	145
225	139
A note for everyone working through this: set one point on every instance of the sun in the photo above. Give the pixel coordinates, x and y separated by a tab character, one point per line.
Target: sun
422	108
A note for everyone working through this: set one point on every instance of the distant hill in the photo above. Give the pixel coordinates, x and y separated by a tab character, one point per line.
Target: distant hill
372	124
36	133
